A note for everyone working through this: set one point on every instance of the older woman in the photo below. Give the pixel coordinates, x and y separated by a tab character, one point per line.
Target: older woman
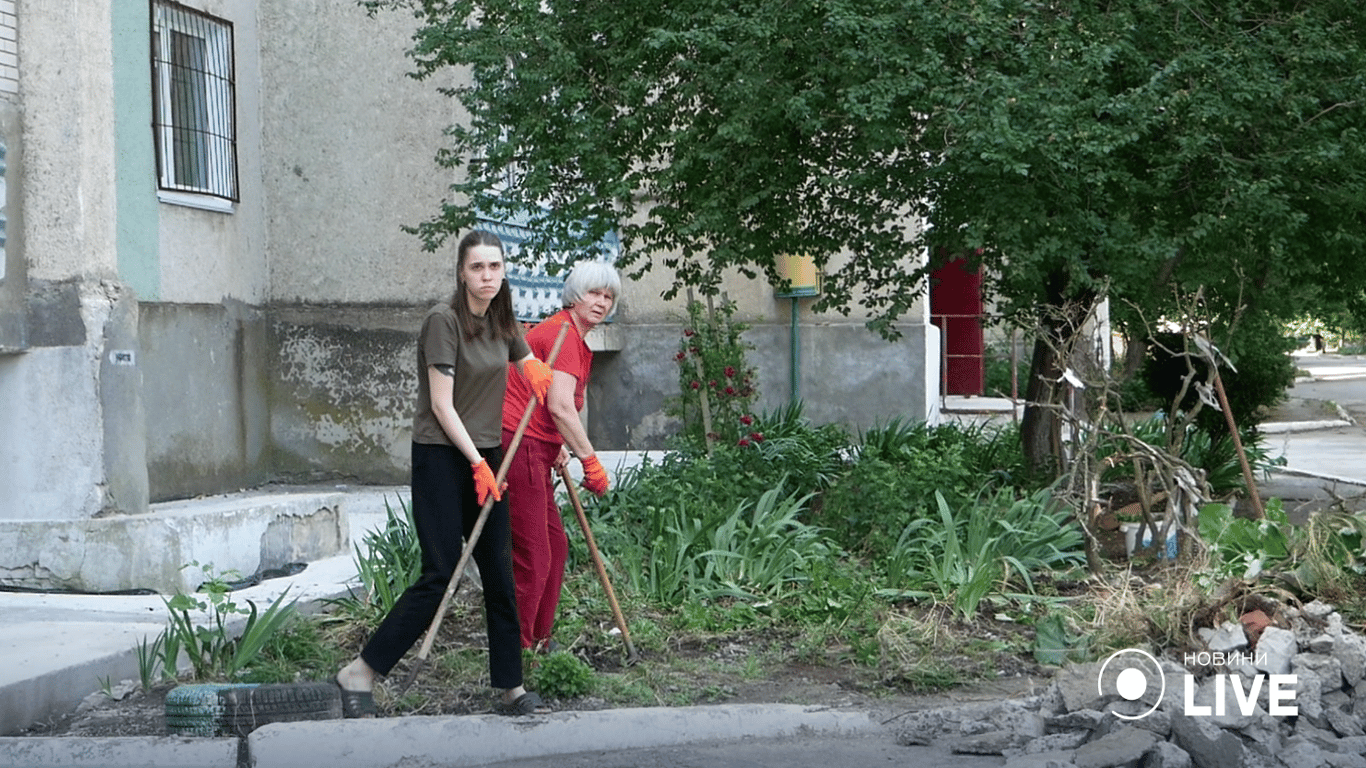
539	544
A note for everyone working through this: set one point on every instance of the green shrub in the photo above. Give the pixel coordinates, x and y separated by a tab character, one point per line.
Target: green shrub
1218	457
717	385
563	675
1262	371
996	374
900	467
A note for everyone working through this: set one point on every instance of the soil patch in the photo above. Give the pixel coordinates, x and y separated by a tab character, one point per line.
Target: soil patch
983	660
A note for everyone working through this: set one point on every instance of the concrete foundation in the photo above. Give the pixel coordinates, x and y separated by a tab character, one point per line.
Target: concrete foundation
240	533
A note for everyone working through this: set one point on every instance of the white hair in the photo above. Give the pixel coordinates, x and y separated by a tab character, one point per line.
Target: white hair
591	276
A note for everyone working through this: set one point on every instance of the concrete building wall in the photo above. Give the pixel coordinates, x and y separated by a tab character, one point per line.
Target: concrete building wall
206	368
344	388
349	142
63	302
211	255
203	332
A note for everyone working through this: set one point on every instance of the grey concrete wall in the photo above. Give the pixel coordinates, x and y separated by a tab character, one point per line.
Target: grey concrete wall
344	385
205	382
66	77
71	411
13	269
344	388
207	256
847	375
349	144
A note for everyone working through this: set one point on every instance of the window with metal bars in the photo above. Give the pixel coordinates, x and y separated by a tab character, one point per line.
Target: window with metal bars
193	101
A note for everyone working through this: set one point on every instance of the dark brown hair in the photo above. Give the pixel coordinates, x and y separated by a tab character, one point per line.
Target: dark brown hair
499	314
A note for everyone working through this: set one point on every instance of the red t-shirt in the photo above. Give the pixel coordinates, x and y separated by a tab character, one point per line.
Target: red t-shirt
574	359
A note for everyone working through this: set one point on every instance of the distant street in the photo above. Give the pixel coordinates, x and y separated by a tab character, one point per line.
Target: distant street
1336	378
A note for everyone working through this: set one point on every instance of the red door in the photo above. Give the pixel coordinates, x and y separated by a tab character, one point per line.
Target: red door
956	307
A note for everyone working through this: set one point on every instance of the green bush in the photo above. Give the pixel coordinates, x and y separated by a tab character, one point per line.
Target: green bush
1262	371
216	651
1217	456
902	464
717	385
563	675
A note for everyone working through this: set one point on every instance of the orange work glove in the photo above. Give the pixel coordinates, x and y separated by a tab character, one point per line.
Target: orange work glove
594	476
485	484
539	376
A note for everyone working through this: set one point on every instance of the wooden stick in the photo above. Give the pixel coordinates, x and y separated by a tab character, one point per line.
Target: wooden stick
426	649
631	656
1248	477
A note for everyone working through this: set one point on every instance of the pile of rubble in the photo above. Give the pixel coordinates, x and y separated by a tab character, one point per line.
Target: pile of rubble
1284	694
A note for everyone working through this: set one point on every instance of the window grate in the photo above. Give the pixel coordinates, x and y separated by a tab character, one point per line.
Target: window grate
194	101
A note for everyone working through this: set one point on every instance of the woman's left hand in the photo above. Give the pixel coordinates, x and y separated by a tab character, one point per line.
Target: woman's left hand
539	376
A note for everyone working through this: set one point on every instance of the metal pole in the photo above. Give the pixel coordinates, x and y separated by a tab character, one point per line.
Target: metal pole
796	357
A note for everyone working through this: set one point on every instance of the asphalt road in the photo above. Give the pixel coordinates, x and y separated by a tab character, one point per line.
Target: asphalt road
1339	379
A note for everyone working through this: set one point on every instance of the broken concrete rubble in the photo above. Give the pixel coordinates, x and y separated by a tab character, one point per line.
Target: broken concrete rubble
1230	714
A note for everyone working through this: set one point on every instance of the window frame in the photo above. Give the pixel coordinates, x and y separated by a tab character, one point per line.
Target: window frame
194	107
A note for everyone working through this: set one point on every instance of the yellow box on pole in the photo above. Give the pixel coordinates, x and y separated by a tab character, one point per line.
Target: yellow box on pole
800	273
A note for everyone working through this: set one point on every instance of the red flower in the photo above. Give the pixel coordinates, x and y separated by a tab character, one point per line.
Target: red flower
687	332
757	437
730	371
730	390
679	356
713	383
696	385
743	442
747	420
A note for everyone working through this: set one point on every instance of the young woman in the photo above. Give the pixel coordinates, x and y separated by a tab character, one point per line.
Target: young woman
463	354
539	544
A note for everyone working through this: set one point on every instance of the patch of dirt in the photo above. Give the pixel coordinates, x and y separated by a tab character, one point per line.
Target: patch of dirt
987	654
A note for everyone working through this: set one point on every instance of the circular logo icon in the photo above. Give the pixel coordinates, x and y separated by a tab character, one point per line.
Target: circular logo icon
1131	683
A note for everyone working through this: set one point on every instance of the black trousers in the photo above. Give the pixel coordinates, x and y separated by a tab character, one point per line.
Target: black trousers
445	509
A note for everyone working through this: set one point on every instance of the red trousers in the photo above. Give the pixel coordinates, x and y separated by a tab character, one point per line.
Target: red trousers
539	544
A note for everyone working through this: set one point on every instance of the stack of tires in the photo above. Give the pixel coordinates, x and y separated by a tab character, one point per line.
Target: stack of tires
236	709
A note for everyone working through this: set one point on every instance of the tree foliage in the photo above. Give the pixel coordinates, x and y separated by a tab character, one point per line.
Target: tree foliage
1137	149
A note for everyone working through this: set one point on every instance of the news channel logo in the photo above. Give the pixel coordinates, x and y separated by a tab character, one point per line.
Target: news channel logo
1137	671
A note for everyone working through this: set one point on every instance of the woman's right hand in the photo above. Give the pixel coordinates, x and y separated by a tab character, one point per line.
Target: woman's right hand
485	484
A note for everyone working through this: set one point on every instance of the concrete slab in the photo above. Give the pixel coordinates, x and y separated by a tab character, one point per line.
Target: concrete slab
130	752
481	739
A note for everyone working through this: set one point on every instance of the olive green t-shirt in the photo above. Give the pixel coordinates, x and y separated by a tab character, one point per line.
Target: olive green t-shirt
481	369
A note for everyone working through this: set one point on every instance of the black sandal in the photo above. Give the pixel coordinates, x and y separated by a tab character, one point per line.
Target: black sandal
528	703
357	704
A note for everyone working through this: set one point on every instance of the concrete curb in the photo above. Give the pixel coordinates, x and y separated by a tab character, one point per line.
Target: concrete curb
118	752
1352	481
1283	427
447	741
482	739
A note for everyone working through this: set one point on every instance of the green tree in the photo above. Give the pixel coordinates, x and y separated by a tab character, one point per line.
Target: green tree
1137	149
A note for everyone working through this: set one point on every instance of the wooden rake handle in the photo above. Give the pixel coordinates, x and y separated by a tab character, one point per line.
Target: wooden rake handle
451	586
631	656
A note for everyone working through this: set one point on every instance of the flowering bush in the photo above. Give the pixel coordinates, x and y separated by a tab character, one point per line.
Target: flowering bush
717	386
